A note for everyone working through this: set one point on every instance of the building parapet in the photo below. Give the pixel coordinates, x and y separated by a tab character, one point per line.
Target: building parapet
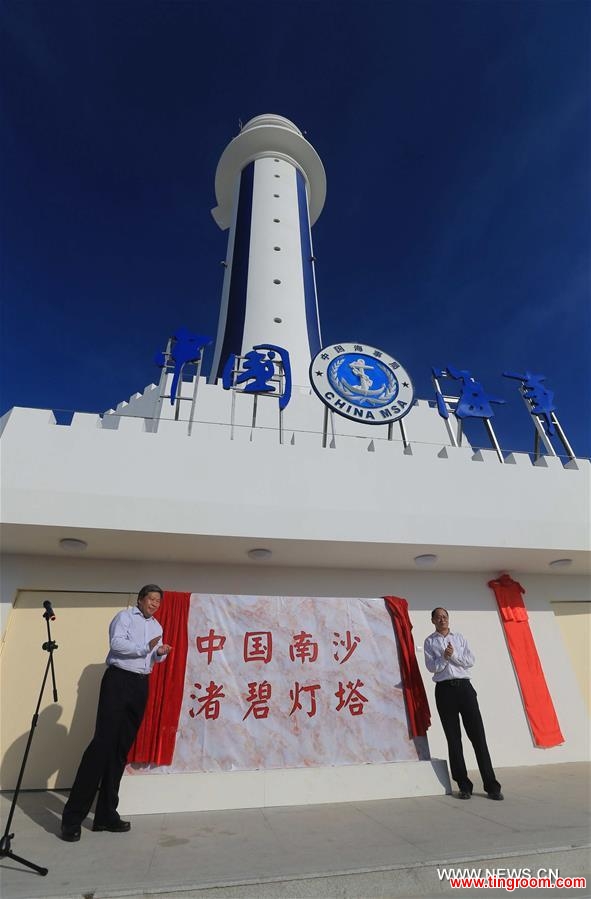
266	434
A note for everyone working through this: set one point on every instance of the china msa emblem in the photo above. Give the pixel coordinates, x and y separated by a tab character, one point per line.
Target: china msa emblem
361	383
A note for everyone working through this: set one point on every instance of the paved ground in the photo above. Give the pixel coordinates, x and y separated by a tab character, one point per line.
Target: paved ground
391	848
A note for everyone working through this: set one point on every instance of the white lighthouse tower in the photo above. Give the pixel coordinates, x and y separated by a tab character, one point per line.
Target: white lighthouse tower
270	187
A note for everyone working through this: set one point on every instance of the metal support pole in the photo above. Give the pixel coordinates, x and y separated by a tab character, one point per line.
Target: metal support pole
563	440
403	433
162	383
255	400
333	441
442	405
177	406
493	440
539	429
232	414
195	389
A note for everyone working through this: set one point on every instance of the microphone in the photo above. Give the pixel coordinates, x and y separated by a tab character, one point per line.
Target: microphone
49	613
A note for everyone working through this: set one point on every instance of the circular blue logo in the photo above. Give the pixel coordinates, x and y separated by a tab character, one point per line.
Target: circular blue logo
361	383
363	380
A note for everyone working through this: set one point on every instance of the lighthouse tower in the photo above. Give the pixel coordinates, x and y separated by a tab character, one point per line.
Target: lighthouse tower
270	187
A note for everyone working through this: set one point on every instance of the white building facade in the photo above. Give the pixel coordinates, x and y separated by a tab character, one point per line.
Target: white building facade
343	509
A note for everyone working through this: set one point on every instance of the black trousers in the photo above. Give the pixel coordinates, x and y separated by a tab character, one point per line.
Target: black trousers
455	699
121	706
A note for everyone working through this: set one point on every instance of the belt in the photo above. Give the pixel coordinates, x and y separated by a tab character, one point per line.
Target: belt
453	682
126	671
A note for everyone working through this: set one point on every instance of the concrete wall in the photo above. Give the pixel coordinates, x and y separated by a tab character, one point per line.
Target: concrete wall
469	600
361	493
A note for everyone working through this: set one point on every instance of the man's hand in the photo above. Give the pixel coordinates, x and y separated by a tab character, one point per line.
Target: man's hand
449	651
163	650
154	642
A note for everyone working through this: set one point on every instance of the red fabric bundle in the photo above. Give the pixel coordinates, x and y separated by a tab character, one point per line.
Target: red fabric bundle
539	708
156	737
417	705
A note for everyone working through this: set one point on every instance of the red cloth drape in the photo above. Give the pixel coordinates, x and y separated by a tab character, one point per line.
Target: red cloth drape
539	708
417	705
156	737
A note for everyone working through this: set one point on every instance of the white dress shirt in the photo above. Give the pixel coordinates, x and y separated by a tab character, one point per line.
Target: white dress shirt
448	669
129	638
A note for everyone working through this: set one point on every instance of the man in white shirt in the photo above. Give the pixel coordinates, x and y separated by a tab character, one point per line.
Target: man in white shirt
135	644
448	657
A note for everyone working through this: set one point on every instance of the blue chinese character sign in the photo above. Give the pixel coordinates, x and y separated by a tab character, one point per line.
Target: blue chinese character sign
361	383
183	347
539	401
539	398
473	402
263	370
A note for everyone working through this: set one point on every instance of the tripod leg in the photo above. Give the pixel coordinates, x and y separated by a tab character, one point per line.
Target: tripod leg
17	858
5	841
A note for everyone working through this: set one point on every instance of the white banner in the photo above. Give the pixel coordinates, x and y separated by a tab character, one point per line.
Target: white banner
283	682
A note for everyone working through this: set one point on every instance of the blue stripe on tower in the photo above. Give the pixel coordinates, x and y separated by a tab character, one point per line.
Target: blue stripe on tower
308	269
239	278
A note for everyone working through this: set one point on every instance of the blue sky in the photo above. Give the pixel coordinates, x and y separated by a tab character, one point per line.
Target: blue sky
456	138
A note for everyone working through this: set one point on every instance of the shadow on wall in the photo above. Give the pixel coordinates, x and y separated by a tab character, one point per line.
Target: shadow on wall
53	749
47	748
83	723
441	770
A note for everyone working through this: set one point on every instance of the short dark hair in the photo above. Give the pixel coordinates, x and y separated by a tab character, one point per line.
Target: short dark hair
436	609
150	588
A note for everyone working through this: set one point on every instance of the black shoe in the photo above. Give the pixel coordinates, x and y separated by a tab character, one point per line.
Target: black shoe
71	833
496	795
464	794
116	827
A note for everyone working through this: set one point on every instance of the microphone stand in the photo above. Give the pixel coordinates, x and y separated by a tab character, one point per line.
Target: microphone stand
5	842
